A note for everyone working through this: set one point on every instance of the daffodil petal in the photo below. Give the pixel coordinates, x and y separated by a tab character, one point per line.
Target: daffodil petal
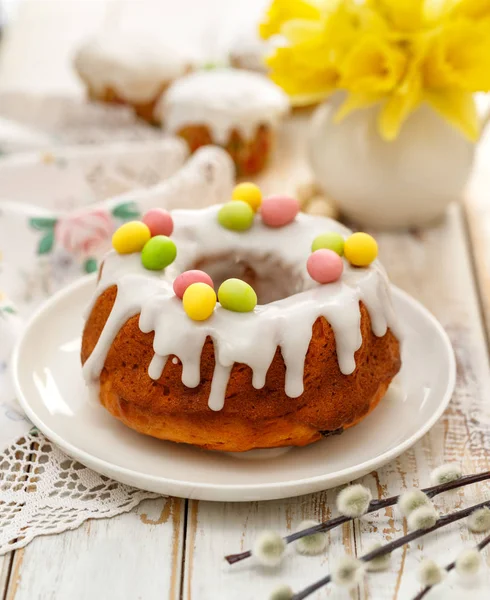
474	9
374	65
458	57
355	101
458	108
281	11
393	114
400	104
404	15
299	31
299	76
299	100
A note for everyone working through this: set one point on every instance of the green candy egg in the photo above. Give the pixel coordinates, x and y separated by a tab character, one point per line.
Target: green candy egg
330	241
237	295
236	215
158	253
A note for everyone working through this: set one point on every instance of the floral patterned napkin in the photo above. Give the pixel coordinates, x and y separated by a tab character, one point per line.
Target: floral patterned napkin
58	210
54	221
14	137
13	424
41	249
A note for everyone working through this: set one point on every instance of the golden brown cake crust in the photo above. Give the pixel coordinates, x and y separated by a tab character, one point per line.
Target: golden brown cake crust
250	418
249	156
144	110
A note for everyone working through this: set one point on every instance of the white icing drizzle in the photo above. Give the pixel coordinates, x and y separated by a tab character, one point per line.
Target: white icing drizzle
247	338
135	65
223	99
157	365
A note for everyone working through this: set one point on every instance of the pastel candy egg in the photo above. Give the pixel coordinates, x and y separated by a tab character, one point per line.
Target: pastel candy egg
199	301
184	280
237	295
249	193
236	215
330	241
360	249
277	211
130	237
158	253
159	222
325	266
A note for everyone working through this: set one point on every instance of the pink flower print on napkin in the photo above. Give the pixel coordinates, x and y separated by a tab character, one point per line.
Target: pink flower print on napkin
84	234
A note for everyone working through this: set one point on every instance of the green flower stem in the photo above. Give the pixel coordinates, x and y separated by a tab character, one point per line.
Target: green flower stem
395	544
373	507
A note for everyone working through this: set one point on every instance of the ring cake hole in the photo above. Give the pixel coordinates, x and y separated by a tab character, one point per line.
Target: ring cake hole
270	277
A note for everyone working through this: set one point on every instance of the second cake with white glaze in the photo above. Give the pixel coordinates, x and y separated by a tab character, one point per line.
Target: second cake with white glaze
130	68
236	109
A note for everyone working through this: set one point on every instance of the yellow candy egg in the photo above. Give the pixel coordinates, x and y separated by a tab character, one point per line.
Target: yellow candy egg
249	193
131	237
360	249
199	301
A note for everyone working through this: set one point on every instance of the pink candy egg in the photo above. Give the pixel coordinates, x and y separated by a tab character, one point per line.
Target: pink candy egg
277	211
184	280
325	266
159	222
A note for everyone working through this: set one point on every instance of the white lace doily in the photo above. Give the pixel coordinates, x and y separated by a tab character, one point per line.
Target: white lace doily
42	491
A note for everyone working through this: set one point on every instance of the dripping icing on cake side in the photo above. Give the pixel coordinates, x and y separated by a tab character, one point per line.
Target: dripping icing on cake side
248	338
223	100
134	64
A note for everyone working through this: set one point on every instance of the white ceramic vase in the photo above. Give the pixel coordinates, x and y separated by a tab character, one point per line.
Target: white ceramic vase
408	182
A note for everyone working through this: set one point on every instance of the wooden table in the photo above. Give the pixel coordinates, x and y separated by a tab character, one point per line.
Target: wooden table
173	548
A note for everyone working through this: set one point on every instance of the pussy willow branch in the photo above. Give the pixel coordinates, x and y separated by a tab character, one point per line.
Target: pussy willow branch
450	567
373	507
389	548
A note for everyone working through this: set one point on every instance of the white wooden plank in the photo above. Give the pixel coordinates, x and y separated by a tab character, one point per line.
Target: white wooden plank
137	555
5	564
215	529
434	265
478	216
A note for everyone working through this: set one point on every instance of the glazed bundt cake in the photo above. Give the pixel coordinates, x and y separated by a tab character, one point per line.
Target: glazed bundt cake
309	360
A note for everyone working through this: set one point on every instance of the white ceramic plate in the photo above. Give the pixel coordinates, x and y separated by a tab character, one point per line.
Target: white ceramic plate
51	390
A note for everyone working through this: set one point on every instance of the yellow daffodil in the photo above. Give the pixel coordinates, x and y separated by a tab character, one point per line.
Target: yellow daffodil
408	94
395	53
404	15
281	11
312	81
472	9
458	108
373	65
399	105
458	58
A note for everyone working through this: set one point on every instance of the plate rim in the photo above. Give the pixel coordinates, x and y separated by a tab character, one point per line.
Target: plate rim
292	487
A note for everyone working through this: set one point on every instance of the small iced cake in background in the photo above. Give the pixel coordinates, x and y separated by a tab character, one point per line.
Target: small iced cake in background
238	110
129	68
